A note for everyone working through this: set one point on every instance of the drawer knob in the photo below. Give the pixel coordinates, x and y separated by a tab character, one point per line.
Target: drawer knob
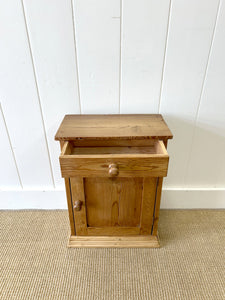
113	170
77	205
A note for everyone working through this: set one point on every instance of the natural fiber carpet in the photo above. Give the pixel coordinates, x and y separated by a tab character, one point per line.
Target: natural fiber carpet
36	264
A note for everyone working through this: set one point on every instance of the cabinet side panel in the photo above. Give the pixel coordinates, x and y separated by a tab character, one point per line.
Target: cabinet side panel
148	203
77	190
69	200
157	206
69	204
158	201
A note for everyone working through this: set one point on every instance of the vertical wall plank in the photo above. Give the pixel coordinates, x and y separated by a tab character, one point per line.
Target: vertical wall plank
97	27
8	173
206	167
144	29
50	28
189	38
20	101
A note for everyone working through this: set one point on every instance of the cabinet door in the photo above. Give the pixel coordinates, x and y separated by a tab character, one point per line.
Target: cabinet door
113	206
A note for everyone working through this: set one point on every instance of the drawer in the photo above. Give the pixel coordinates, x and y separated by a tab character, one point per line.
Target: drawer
123	161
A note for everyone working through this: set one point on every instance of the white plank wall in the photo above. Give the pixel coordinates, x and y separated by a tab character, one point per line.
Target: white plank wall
8	168
20	101
144	29
112	56
190	34
54	55
97	31
208	147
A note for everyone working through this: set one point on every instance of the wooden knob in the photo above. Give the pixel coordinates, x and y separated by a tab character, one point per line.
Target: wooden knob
77	205
113	170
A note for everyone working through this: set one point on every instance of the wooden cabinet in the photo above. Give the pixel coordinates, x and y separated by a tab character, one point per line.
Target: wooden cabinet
113	167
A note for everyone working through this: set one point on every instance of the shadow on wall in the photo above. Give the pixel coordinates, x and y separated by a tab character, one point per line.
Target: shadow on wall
197	153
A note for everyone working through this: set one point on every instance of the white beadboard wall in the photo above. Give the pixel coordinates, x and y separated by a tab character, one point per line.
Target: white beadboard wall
112	56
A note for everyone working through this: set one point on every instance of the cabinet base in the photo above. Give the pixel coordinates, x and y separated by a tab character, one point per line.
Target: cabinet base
148	241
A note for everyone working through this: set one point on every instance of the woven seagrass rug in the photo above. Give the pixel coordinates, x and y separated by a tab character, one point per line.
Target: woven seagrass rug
36	264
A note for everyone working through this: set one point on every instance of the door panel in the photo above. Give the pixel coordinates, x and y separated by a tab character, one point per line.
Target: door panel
130	201
113	202
113	206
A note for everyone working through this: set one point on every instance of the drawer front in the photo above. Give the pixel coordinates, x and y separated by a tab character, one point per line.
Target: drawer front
116	163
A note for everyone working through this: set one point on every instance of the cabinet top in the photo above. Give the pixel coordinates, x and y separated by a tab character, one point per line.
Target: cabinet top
105	127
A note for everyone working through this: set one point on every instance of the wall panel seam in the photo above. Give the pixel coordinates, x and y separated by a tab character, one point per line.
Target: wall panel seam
76	59
165	53
120	58
208	59
38	93
202	90
10	143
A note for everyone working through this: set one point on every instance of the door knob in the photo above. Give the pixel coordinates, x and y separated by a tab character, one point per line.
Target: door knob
113	170
77	205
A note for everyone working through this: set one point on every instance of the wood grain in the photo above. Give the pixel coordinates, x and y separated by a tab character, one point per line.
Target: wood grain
113	230
128	165
114	179
70	205
77	190
156	147
64	146
130	201
114	150
113	143
148	202
102	201
159	183
113	127
114	241
113	202
130	161
157	206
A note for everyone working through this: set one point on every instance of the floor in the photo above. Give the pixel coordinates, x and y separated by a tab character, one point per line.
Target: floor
36	264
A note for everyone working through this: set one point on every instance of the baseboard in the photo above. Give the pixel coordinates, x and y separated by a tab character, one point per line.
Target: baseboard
172	198
193	198
33	199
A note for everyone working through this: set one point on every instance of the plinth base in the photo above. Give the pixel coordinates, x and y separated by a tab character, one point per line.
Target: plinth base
148	241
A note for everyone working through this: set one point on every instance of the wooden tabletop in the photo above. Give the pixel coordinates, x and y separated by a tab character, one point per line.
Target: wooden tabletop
142	126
